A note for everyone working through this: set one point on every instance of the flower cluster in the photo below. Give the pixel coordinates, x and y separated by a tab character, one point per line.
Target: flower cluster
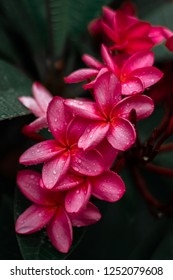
86	135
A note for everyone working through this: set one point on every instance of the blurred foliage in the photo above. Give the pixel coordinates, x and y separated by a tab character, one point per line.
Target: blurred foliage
44	40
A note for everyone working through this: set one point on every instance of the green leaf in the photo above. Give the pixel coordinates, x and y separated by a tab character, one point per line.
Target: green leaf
13	84
36	246
69	19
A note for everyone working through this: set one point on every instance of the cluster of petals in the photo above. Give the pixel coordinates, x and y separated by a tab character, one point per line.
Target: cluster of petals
125	31
135	73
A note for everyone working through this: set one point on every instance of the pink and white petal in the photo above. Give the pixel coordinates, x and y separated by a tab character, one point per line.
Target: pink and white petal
40	152
41	95
108	153
77	198
143	105
108	186
60	232
34	218
148	75
92	62
81	75
69	181
29	184
93	135
138	60
107	92
132	85
84	109
88	216
89	163
54	170
139	44
35	126
57	118
108	59
121	134
32	105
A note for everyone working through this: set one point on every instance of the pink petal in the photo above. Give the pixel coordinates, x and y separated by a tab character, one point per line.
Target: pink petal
108	186
132	86
92	83
34	218
57	118
75	129
89	163
139	44
139	29
84	109
41	152
138	60
109	32
143	105
148	75
80	75
77	198
108	59
88	216
60	231
107	92
122	134
41	95
169	43
32	105
93	135
108	15
29	184
157	34
55	169
92	62
70	181
108	153
35	126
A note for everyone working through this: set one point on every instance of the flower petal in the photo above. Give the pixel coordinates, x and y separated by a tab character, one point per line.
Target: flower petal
138	60
60	231
121	134
80	75
77	198
108	153
143	105
89	163
34	218
32	105
88	216
75	129
35	126
55	169
91	62
93	135
70	181
85	109
141	29
29	184
148	75
139	44
108	186
108	59
40	152
41	95
132	86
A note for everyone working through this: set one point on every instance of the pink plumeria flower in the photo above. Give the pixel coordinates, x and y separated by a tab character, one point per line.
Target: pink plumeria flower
109	116
38	105
62	153
107	186
127	32
48	211
135	73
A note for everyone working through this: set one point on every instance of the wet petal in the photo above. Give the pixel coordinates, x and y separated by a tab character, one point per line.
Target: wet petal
139	29
69	181
108	186
75	129
80	75
88	163
35	126
108	153
132	86
93	135
91	62
139	44
77	198
55	169
34	218
88	216
60	231
108	59
121	134
41	95
40	152
32	105
29	184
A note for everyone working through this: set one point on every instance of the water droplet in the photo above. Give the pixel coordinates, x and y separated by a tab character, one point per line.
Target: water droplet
77	191
54	172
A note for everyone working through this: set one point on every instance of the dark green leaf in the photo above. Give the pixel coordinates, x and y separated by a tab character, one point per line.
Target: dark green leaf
13	84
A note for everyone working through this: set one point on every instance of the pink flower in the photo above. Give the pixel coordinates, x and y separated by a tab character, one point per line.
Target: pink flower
48	211
107	186
135	73
62	153
127	32
38	106
109	116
